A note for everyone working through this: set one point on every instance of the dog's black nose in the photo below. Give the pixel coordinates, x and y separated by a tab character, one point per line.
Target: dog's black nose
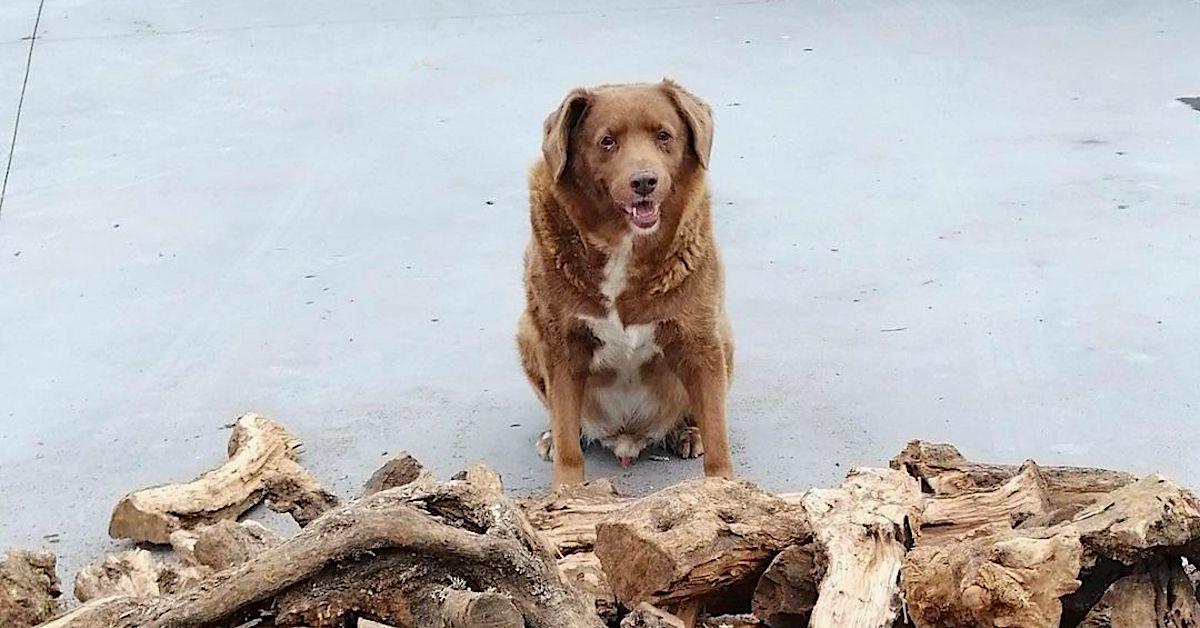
643	182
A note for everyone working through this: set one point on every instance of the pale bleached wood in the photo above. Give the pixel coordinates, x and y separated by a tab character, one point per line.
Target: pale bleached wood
945	472
1020	498
1132	522
1011	579
863	529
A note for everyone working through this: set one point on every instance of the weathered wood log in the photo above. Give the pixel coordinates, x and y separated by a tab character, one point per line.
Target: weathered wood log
566	521
471	609
1136	520
1162	596
567	517
400	470
133	573
1020	498
943	471
1011	579
863	529
787	591
1123	530
694	539
29	588
261	459
648	616
377	557
1017	577
223	544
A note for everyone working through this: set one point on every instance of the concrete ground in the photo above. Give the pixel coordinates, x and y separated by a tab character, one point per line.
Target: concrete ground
975	222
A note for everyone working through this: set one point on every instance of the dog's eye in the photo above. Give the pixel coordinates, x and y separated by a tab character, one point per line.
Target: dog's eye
663	136
607	142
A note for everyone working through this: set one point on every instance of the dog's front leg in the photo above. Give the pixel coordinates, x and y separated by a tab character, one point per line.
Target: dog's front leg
565	396
706	379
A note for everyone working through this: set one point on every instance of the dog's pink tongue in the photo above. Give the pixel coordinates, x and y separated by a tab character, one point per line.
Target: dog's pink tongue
644	214
625	462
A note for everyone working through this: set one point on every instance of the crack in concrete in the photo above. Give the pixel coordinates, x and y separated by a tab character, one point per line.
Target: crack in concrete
12	145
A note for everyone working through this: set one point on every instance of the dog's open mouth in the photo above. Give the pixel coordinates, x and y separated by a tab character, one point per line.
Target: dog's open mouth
643	214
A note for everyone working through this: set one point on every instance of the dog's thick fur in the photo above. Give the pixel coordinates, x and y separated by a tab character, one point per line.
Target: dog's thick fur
624	336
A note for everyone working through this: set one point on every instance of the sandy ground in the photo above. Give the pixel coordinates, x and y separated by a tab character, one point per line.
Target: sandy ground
976	222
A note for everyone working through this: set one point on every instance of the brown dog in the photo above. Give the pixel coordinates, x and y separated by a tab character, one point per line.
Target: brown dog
624	335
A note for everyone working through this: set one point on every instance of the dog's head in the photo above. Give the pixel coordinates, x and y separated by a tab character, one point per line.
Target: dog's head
626	147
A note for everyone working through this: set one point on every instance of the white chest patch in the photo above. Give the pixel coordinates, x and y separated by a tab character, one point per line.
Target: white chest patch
624	412
625	401
622	347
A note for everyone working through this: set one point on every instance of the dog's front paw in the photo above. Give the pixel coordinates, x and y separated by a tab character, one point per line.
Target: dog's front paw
545	446
686	442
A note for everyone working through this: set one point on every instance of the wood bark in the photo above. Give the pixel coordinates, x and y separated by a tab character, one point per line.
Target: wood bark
943	471
1162	596
1006	579
694	539
863	530
29	588
261	460
370	558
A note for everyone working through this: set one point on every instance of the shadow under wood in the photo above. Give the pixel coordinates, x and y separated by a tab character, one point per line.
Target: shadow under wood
1094	583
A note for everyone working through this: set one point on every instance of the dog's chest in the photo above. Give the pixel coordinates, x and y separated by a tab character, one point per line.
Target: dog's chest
623	348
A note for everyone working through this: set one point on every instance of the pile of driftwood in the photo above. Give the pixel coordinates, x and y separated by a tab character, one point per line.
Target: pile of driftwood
933	541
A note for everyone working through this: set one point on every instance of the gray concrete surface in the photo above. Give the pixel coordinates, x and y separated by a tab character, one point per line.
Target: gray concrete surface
318	212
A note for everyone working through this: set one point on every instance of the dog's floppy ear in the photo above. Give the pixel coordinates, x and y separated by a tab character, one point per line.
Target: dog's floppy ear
698	116
556	139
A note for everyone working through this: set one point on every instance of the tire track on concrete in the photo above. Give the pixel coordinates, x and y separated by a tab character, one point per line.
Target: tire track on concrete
12	145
